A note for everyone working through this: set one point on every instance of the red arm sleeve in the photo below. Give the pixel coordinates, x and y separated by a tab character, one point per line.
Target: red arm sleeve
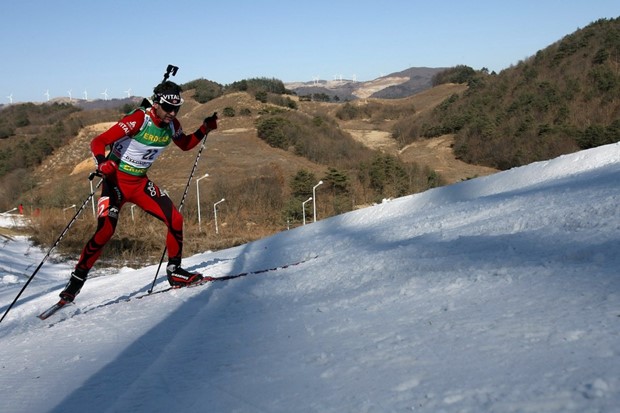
128	126
187	142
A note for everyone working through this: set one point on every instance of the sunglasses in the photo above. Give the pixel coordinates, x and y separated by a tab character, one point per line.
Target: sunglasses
168	107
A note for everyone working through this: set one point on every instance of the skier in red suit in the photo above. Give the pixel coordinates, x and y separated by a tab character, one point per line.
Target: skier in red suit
136	141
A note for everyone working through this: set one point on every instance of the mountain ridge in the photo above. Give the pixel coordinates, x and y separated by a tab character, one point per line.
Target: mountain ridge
395	85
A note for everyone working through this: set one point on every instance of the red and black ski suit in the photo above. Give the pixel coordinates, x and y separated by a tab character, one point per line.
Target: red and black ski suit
132	185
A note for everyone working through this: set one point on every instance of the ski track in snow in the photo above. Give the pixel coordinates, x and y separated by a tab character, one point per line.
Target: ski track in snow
499	294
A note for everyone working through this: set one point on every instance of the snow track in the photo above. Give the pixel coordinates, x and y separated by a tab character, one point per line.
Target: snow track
498	294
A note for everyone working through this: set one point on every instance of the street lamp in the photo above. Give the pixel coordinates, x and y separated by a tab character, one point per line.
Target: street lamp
69	207
314	200
303	208
198	198
215	213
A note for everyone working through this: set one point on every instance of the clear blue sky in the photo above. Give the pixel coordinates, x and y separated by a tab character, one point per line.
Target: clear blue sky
84	45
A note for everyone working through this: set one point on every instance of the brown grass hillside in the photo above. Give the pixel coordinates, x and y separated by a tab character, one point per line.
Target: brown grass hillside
242	168
377	131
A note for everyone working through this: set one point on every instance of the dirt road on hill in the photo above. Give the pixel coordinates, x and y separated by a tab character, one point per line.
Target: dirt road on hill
436	153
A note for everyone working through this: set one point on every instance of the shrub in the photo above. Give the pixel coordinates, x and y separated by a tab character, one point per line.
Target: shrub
597	135
258	85
261	96
205	90
273	130
457	74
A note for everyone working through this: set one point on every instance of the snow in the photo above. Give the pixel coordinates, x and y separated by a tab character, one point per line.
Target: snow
498	294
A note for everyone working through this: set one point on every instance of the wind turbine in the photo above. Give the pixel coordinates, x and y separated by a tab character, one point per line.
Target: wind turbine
70	97
10	98
105	94
85	95
128	91
47	94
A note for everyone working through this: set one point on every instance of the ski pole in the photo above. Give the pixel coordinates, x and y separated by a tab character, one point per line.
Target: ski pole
191	175
64	232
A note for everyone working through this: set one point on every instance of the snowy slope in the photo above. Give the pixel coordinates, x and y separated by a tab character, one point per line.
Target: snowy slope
499	294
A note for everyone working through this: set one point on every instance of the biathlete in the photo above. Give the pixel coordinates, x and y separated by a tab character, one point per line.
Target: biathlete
136	141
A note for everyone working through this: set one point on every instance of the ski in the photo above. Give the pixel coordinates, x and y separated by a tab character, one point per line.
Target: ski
52	310
205	280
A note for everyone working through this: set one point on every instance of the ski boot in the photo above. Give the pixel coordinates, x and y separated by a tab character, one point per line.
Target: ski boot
73	287
178	277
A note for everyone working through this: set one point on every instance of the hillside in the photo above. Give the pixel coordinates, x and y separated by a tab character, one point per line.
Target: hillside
238	163
376	131
562	99
253	176
235	151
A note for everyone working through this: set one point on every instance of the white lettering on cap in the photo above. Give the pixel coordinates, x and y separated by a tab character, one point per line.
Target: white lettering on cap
173	99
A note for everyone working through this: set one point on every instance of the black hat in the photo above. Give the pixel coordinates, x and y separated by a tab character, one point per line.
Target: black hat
168	92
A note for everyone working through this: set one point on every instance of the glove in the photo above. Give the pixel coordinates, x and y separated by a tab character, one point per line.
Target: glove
211	122
108	168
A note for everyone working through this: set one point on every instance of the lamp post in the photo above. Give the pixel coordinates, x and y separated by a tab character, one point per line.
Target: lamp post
198	199
303	208
69	207
314	200
215	214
